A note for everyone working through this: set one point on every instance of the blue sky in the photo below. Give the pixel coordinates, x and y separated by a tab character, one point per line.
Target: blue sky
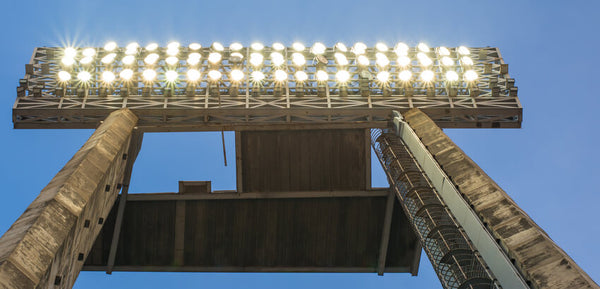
550	166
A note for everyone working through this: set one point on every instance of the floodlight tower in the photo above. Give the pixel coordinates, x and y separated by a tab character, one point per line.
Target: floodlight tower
305	120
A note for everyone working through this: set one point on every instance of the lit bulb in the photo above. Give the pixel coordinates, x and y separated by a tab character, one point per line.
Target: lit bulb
172	60
447	61
381	59
172	51
257	46
151	47
405	75
341	47
381	47
67	61
401	49
318	48
322	75
218	46
298	59
86	60
70	52
214	57
131	48
424	59
194	46
128	60
278	46
173	45
443	51
236	46
359	48
126	74
149	74
383	76
465	60
194	58
423	47
64	76
462	50
109	58
193	75
256	59
151	58
340	58
84	76
427	75
403	61
301	76
277	58
470	75
171	75
236	57
89	52
237	75
342	76
110	46
108	76
451	76
214	75
280	75
362	60
297	46
257	76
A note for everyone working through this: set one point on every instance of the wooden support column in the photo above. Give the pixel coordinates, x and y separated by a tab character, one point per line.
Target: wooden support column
541	261
385	235
179	233
47	245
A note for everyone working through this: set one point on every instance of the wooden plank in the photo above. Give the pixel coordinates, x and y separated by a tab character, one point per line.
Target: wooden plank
179	233
132	153
256	195
368	168
385	235
238	161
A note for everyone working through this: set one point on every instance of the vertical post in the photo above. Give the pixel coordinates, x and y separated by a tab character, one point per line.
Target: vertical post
540	260
48	244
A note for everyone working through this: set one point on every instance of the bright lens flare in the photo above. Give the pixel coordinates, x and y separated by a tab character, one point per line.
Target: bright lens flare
405	75
151	58
465	60
194	46
342	76
443	51
193	75
301	76
280	75
214	57
403	61
401	49
359	48
278	46
470	75
128	60
218	46
149	74
172	60
381	47
383	76
297	46
341	47
451	76
256	59
109	58
89	52
427	75
322	75
462	50
152	46
257	76
318	48
64	76
423	47
126	74
257	46
110	46
340	58
447	61
171	75
298	59
108	76
277	58
70	52
237	75
86	60
67	61
236	46
84	76
381	59
362	60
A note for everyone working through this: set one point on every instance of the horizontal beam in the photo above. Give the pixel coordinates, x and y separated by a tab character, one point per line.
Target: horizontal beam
242	196
247	269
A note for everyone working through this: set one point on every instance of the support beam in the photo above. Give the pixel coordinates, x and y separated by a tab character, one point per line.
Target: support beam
48	244
542	262
132	153
385	235
270	195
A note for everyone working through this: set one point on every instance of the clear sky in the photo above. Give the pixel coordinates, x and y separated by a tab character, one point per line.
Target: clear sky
549	167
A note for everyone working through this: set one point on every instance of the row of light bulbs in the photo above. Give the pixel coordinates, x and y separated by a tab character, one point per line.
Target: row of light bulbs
236	75
257	58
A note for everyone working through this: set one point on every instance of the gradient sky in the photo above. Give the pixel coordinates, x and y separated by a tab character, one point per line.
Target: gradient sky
549	167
